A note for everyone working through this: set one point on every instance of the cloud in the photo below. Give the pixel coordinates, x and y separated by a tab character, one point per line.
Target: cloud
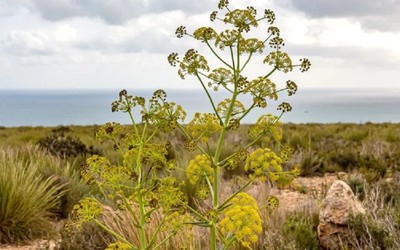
380	15
111	11
33	43
348	56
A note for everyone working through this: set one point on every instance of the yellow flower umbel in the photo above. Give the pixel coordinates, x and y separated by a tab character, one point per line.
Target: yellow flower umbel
198	171
242	221
263	163
199	168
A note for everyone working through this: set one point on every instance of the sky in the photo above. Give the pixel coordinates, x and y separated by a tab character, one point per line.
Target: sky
96	44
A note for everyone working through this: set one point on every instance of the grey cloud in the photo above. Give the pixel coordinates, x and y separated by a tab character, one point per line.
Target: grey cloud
381	15
112	11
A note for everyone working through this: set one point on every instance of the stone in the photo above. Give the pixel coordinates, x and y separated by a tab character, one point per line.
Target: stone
339	204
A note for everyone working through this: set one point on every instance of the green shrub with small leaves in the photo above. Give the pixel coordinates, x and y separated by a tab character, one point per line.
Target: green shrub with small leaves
302	230
143	183
64	146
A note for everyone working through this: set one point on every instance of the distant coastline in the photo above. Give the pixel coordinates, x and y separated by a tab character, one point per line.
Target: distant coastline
88	107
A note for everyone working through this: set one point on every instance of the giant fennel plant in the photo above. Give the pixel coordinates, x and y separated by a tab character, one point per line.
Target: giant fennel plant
144	183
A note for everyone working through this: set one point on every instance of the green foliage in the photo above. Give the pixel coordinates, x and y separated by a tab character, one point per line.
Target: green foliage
311	164
26	199
90	237
358	186
302	230
141	183
370	233
63	146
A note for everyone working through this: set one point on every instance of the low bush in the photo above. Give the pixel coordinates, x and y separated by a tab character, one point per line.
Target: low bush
301	228
65	146
91	237
379	227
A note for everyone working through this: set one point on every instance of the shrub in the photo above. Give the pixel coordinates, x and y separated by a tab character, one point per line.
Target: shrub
63	146
90	237
370	233
311	164
26	199
301	228
357	185
378	228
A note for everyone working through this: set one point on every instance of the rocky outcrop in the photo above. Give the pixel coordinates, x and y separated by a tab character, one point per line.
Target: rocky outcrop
340	202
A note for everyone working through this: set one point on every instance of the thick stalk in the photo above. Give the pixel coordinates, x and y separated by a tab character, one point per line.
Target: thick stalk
221	139
142	210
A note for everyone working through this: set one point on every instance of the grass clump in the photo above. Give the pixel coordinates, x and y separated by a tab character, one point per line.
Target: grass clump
26	199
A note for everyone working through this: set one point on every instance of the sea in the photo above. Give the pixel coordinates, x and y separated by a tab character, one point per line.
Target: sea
93	107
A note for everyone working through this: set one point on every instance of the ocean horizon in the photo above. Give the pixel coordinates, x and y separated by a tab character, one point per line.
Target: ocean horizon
93	107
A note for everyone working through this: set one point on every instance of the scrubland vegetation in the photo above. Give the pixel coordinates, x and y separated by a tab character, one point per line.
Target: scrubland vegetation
40	185
160	183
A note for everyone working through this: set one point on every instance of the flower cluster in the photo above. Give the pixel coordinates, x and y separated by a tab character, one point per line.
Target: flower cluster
272	202
169	194
110	131
269	15
285	153
86	210
274	31
276	42
238	157
241	19
227	38
173	59
280	60
163	114
233	124
285	107
213	15
180	31
118	246
242	219
223	108
126	102
205	34
192	63
267	125
175	221
202	126
110	179
199	168
291	87
152	155
190	145
305	65
251	45
263	163
261	88
222	4
220	76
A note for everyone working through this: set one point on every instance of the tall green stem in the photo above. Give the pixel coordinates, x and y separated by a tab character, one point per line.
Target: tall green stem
221	139
142	210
